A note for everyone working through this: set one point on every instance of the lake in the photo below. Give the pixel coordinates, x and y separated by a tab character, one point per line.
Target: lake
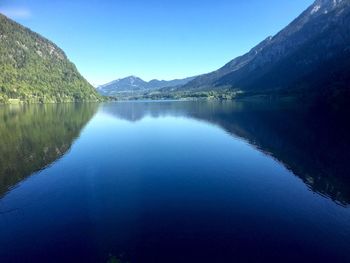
173	181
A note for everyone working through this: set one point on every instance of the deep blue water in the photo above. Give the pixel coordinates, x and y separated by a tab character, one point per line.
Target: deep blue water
172	182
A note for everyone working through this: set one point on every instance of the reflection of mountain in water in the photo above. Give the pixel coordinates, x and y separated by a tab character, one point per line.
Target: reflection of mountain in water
313	144
136	111
32	137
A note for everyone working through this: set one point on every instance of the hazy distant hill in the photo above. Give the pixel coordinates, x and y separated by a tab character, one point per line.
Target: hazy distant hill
312	54
132	83
34	69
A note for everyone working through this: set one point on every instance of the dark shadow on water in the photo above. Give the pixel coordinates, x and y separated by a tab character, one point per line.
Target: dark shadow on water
311	142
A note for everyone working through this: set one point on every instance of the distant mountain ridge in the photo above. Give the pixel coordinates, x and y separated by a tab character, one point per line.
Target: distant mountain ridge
133	83
33	69
312	51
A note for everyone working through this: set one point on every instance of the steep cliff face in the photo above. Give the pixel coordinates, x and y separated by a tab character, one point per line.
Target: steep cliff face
309	52
34	69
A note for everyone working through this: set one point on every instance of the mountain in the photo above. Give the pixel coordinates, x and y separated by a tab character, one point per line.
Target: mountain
132	84
33	69
310	55
159	84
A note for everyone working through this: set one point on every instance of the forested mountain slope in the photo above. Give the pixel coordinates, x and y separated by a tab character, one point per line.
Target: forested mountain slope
33	69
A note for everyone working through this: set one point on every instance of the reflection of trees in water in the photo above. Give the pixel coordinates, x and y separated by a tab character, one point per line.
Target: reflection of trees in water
312	143
32	137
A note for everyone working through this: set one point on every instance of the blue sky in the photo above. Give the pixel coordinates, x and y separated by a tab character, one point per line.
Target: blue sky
162	39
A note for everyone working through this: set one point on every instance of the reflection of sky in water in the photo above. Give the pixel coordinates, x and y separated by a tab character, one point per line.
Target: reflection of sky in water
182	184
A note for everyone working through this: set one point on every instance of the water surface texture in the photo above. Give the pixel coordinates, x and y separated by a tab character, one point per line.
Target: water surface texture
173	182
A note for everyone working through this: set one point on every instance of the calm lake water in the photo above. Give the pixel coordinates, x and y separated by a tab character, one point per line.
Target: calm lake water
173	182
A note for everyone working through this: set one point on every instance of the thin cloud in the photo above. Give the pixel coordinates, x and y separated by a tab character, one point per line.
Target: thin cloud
16	12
